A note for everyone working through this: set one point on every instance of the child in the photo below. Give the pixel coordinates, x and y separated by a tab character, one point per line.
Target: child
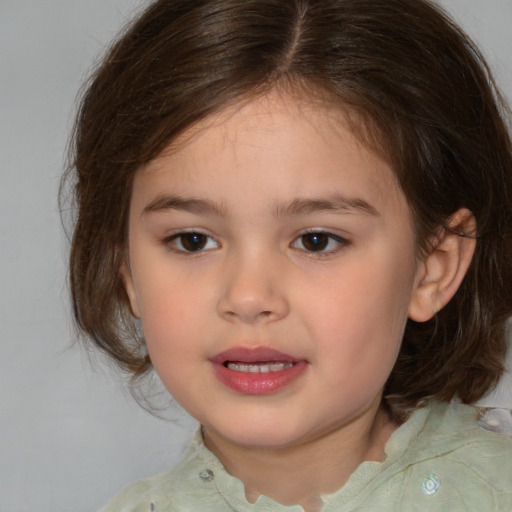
299	214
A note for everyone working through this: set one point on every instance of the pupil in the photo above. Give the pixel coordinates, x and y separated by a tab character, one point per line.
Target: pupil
193	241
315	241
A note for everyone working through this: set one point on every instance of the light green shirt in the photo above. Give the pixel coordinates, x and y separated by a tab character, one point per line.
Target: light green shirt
440	460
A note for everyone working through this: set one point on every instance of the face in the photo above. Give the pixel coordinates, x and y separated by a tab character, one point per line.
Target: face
272	263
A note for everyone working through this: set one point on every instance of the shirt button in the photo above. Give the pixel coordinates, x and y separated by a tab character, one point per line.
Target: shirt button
431	484
206	475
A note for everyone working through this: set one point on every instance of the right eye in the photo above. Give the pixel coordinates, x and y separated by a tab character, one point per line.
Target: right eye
192	241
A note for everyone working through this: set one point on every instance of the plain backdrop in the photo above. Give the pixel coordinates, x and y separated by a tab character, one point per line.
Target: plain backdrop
70	434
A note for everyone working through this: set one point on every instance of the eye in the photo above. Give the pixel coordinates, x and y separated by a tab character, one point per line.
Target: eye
319	242
192	241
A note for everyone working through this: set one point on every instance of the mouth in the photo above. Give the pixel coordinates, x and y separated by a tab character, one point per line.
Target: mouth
257	371
258	367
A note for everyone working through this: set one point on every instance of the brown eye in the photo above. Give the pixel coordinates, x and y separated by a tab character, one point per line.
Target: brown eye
319	242
315	241
191	242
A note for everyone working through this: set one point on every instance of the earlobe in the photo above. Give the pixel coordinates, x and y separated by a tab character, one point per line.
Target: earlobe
442	271
127	278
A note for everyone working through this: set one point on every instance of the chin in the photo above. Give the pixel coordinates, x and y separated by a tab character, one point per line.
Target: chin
270	436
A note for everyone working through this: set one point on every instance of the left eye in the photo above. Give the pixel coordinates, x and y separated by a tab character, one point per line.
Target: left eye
192	242
319	241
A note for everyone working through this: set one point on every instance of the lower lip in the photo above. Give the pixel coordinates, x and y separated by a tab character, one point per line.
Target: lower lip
258	383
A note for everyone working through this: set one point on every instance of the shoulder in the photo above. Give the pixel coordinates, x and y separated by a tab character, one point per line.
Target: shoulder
176	489
460	464
144	495
482	453
461	430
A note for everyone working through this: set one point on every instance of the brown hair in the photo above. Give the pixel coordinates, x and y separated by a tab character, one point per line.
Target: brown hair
415	81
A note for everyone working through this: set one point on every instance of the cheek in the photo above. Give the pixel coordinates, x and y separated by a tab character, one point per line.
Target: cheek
360	337
171	317
361	313
171	338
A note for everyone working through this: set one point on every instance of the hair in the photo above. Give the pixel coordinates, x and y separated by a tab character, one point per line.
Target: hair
421	94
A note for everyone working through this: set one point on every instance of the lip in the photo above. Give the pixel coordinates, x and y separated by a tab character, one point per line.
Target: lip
256	383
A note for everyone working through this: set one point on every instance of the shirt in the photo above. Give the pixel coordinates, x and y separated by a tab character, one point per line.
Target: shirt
439	460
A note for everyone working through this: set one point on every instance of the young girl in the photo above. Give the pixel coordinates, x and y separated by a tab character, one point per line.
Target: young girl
299	214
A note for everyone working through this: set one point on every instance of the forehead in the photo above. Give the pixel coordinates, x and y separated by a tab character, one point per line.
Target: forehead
287	143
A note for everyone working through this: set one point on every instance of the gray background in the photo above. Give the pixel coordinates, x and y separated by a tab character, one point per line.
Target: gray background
70	434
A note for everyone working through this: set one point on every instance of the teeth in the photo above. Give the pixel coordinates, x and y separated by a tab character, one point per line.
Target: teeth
259	367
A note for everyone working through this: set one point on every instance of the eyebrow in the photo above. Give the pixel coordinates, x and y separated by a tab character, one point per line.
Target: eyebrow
336	203
192	205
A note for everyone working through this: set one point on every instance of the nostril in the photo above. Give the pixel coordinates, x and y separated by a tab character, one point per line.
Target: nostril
251	307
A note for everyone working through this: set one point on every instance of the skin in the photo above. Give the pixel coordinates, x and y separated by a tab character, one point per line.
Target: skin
256	282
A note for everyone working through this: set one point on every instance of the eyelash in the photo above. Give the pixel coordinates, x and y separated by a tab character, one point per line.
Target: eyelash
323	238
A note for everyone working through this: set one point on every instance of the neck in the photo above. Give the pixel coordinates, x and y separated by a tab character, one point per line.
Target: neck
300	474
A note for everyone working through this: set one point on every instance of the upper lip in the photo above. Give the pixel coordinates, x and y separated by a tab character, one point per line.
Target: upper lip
252	355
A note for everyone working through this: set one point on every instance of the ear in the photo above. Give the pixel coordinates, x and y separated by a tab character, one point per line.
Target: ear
442	271
127	278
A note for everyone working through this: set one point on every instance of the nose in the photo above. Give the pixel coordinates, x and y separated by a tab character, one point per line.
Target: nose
253	291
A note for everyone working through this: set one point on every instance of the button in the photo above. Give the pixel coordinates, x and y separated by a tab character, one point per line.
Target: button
206	475
431	484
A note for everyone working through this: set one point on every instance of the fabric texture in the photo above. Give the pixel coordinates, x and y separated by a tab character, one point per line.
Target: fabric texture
440	460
